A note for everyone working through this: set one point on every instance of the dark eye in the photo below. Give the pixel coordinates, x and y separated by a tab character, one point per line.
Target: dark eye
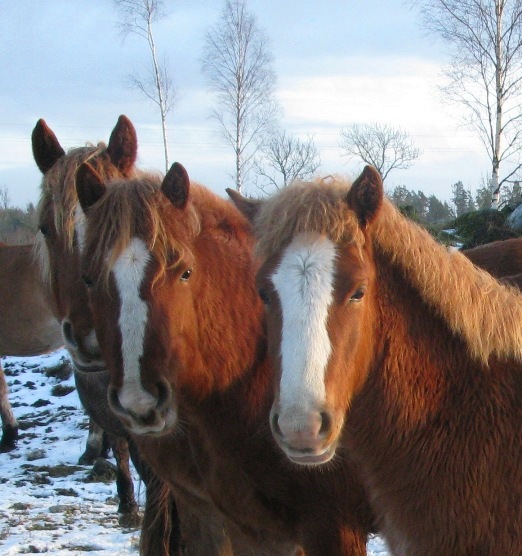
263	294
186	275
87	281
45	230
358	295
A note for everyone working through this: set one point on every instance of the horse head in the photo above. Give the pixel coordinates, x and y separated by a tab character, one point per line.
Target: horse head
317	281
61	226
154	262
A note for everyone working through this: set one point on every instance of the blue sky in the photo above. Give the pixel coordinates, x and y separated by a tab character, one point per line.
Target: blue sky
337	62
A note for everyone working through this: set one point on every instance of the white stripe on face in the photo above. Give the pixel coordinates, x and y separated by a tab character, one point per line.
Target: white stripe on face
304	283
80	225
129	271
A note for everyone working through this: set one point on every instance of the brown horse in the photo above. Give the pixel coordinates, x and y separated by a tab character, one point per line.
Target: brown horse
404	354
500	258
28	325
180	325
60	227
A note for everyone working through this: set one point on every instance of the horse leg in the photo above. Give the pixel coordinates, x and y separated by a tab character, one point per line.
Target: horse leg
9	422
124	485
94	447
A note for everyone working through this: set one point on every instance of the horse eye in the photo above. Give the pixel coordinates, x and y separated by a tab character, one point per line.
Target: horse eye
45	230
358	295
186	275
87	281
263	294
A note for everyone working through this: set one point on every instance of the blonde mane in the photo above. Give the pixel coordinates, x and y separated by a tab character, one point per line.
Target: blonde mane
317	206
58	190
132	208
487	314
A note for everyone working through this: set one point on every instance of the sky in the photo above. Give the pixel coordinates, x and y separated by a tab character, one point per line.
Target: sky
337	62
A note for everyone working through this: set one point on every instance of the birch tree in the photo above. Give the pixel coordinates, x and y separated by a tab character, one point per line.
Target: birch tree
284	159
237	64
485	74
381	145
138	17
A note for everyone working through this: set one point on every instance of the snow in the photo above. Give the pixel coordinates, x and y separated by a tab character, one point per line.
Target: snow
46	505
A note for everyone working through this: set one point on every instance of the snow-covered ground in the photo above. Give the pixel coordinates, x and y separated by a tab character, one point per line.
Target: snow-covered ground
47	504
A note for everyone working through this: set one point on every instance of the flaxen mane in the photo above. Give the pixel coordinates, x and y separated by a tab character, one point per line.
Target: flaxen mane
318	206
58	192
473	303
136	208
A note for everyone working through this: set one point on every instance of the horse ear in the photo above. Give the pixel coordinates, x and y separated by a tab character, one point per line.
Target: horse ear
46	148
249	207
89	186
365	195
123	145
176	185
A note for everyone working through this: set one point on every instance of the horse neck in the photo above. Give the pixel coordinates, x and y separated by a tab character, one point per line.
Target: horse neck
473	304
231	336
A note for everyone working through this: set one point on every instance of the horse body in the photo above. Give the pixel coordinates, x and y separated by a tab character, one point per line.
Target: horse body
421	380
60	237
27	323
181	328
500	258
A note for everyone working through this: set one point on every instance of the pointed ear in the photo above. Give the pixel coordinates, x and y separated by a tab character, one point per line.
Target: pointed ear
46	148
123	146
366	194
89	186
176	186
249	207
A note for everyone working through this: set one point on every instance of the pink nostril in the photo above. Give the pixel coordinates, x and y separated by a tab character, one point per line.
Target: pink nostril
326	423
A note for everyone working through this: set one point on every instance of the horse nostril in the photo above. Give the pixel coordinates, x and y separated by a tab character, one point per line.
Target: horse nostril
326	423
114	401
164	394
67	331
274	422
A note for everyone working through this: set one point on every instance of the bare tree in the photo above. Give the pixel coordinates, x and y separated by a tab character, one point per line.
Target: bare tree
381	145
284	159
485	73
138	17
5	200
238	66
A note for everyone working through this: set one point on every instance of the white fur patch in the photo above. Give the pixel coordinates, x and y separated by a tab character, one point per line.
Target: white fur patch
80	225
304	283
129	271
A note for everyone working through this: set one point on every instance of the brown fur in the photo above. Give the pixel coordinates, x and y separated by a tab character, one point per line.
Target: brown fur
500	258
435	423
205	338
60	266
27	323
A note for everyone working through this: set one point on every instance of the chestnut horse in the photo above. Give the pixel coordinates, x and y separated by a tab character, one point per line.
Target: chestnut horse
180	325
28	325
405	355
60	235
500	258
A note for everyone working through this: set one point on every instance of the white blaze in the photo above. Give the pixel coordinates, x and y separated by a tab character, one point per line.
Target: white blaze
304	283
129	271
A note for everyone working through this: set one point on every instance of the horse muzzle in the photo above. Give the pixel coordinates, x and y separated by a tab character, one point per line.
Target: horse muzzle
305	438
143	413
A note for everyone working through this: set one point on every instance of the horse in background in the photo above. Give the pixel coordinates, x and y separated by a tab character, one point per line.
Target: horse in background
28	325
181	327
60	237
500	258
400	352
